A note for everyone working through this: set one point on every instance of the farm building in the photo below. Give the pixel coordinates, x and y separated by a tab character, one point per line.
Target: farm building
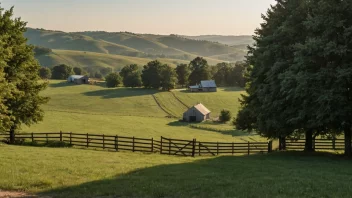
78	79
197	113
205	86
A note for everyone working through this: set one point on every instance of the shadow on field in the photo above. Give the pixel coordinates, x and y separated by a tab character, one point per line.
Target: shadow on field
282	174
233	89
61	84
121	92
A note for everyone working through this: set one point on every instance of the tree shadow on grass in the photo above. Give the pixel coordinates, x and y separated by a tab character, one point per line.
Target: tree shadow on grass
61	84
282	174
121	92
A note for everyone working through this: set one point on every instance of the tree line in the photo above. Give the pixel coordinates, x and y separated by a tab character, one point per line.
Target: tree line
158	75
300	79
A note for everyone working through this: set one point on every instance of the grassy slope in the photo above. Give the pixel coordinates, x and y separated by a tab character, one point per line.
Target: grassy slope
224	98
123	111
79	58
85	173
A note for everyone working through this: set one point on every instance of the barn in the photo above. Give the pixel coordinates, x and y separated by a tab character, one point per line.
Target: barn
78	79
204	86
197	113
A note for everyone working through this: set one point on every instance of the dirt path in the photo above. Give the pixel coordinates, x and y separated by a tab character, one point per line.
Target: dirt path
162	108
8	194
178	99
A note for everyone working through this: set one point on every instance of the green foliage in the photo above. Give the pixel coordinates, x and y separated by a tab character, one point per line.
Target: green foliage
98	75
79	71
183	72
39	51
45	73
131	76
225	115
113	80
61	72
168	78
20	85
199	71
151	74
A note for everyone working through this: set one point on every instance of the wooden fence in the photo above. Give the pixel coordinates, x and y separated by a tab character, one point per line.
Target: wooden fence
318	144
163	145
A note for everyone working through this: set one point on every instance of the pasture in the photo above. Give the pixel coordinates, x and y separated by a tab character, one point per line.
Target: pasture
64	172
134	112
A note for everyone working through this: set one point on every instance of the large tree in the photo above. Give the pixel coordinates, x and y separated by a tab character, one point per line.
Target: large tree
168	78
113	80
199	71
222	75
131	76
45	73
19	80
267	107
183	72
62	72
151	74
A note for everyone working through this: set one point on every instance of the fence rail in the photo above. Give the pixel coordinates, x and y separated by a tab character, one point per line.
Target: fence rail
163	145
318	144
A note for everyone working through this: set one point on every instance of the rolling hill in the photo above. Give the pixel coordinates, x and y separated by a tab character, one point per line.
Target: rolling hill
227	40
99	48
88	59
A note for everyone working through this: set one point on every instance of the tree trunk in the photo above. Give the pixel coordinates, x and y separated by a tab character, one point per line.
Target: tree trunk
348	151
309	141
282	143
12	134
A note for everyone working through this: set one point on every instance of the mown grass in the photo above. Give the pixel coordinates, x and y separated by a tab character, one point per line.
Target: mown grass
224	98
122	111
59	172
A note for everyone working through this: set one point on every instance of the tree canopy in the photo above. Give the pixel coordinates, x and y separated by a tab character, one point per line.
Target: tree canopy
45	73
131	76
300	74
61	72
199	71
183	72
19	80
113	80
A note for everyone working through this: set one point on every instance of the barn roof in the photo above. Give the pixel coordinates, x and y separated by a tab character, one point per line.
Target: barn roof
76	76
202	109
194	87
208	83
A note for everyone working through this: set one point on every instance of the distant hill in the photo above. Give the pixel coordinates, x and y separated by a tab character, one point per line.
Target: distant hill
99	48
89	59
227	40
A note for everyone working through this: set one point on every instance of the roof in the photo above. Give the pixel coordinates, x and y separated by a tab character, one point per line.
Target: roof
202	109
76	76
208	83
194	87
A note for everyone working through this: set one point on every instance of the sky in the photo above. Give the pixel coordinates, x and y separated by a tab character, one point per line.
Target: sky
184	17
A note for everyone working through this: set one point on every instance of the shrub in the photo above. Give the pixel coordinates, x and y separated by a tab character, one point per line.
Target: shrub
225	116
113	80
45	73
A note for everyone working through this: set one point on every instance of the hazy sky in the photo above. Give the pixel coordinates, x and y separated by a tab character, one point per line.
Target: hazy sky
188	17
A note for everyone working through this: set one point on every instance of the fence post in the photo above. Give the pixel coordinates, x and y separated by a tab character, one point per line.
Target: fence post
193	147
169	146
249	146
70	138
161	144
270	146
103	141
199	153
116	143
47	140
233	148
87	140
152	149
32	137
333	143
217	148
133	144
60	136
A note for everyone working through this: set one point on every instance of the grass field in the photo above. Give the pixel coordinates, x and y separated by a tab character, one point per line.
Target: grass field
85	173
134	112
